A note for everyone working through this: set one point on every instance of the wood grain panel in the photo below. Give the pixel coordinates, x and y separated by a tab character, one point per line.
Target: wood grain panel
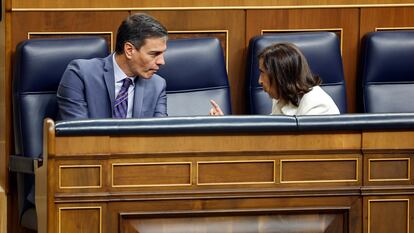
235	172
314	19
388	140
193	3
231	20
388	215
82	145
51	22
389	169
151	174
318	170
80	176
389	17
234	143
80	219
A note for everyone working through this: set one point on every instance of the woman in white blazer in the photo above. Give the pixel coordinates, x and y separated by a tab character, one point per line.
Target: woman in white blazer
285	75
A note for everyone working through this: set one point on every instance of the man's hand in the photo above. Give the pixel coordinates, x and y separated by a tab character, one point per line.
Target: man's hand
215	110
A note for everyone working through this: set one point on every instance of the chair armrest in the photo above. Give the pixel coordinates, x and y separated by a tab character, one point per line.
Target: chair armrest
23	164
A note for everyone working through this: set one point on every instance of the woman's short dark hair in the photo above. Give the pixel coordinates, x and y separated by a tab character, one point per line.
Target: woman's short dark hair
136	28
287	66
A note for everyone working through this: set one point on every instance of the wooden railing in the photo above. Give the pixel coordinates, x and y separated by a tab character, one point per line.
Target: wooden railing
232	180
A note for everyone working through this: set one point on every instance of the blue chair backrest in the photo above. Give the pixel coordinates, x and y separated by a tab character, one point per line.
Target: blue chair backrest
195	72
39	65
387	72
323	52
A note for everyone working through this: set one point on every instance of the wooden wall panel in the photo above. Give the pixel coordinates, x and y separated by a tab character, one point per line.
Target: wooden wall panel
381	140
151	174
231	20
73	176
235	172
64	22
227	143
192	3
80	219
390	214
391	18
389	169
314	19
306	170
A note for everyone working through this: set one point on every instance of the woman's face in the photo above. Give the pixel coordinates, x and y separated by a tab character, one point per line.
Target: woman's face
264	80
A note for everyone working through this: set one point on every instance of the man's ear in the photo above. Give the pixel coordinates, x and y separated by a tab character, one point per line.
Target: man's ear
128	49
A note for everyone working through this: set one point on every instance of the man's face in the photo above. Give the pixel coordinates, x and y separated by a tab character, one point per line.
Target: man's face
145	61
264	81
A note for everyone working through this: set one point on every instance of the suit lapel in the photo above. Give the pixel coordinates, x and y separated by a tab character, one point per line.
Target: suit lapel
138	97
110	80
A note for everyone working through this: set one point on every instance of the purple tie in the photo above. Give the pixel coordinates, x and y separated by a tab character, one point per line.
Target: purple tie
121	101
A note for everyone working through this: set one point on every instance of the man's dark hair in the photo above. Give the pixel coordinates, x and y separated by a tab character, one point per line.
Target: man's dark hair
136	28
287	67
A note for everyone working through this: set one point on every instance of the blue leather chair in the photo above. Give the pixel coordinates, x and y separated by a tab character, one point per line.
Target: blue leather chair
387	72
195	72
39	65
322	50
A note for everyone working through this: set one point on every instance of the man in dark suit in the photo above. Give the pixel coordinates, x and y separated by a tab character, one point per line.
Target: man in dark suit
122	85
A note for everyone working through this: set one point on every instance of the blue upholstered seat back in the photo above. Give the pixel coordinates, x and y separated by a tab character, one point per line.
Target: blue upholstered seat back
38	67
387	71
322	50
195	72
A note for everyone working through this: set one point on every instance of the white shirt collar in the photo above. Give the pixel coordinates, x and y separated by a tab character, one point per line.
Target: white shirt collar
118	73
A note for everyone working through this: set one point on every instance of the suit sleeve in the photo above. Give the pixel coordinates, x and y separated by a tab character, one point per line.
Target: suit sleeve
71	95
161	106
